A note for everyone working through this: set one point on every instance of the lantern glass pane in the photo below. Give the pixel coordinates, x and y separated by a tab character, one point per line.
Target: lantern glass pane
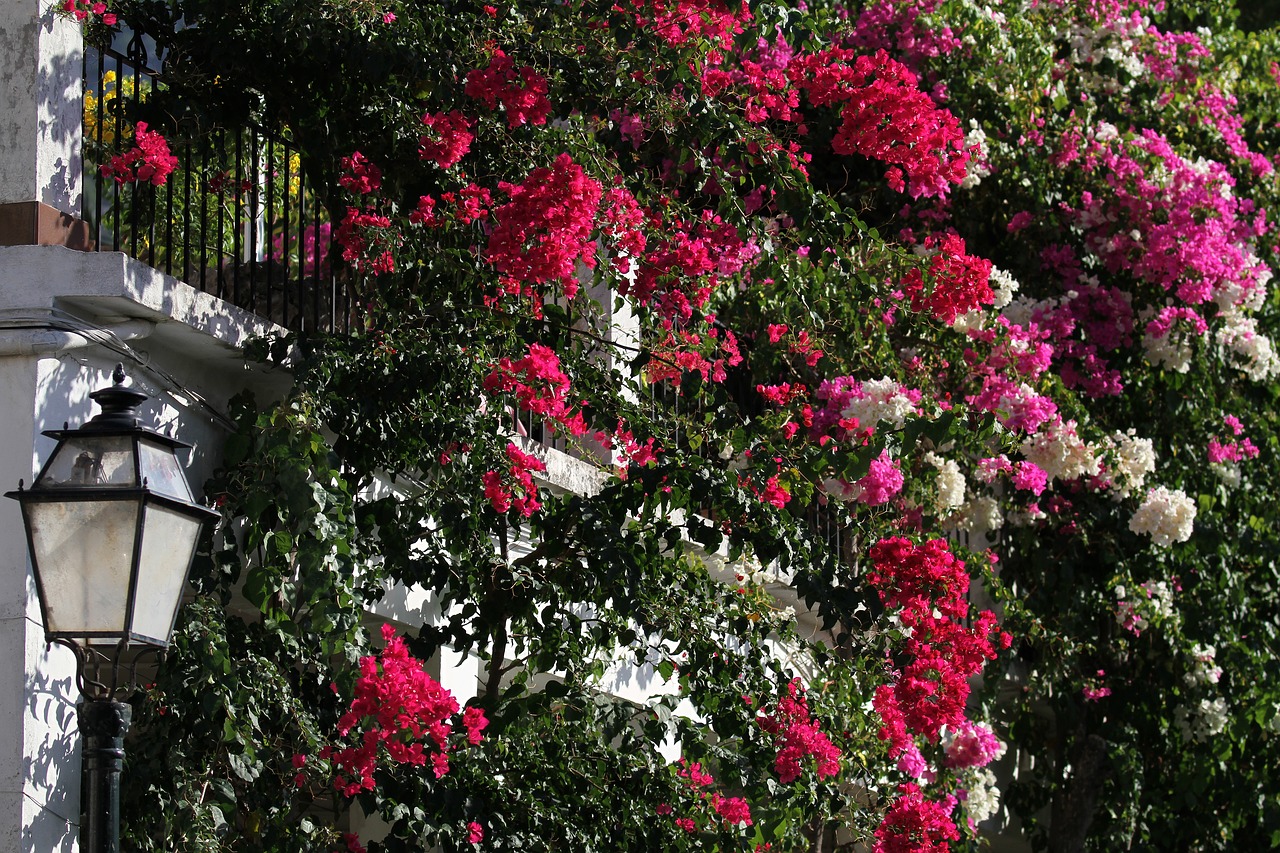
87	460
83	551
169	541
161	471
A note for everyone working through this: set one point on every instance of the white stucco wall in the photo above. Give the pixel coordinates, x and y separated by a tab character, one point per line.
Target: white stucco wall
41	93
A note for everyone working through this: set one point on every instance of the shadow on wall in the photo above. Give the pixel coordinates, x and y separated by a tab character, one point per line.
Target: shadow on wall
54	767
63	396
50	817
60	87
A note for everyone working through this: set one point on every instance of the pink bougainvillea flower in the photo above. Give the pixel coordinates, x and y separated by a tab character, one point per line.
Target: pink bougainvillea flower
448	138
149	161
521	92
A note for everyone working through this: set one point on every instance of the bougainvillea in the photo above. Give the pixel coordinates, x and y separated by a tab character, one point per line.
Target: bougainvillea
149	160
520	92
447	139
87	10
400	711
916	824
884	115
515	488
542	234
798	737
367	240
539	385
928	588
841	392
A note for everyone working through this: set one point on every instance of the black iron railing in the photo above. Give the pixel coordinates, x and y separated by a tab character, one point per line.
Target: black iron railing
237	218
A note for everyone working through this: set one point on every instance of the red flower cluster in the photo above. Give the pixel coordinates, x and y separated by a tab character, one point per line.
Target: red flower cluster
540	387
734	811
149	160
425	213
916	825
359	175
774	494
929	585
470	203
961	283
622	220
629	451
521	92
447	139
884	115
675	356
678	275
768	90
678	21
918	578
82	10
694	773
545	229
517	487
405	711
798	735
367	240
783	394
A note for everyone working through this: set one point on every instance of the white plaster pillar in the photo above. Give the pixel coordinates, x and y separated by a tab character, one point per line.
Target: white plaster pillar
41	98
39	754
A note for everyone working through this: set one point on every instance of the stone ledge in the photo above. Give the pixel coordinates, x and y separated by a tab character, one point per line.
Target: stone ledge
111	287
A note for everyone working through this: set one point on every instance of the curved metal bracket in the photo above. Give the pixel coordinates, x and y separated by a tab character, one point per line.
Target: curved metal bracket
98	669
136	50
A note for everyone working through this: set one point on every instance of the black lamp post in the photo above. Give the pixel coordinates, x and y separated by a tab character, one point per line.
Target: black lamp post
112	529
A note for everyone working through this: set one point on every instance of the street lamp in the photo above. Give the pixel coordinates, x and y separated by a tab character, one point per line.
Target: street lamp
112	529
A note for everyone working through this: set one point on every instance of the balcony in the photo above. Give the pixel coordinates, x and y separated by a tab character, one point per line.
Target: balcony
238	218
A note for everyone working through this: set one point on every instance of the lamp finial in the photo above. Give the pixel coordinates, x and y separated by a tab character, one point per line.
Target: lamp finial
119	405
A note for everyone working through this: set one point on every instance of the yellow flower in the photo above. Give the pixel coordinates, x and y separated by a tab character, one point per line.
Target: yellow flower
295	174
106	104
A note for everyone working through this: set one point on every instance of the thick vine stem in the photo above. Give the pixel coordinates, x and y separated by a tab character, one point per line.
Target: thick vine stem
1074	808
497	654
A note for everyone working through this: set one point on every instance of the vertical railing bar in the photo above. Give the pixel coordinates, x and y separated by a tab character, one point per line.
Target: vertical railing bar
221	233
286	216
154	197
98	131
251	223
133	208
237	214
302	258
154	194
268	243
117	242
315	272
168	234
204	215
186	212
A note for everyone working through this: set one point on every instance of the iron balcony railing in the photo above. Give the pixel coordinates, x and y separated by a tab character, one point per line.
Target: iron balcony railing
238	218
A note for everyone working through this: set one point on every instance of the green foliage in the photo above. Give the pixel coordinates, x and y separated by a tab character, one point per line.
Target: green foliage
364	489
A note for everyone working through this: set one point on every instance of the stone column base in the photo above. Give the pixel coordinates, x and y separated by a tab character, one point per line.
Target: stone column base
33	223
